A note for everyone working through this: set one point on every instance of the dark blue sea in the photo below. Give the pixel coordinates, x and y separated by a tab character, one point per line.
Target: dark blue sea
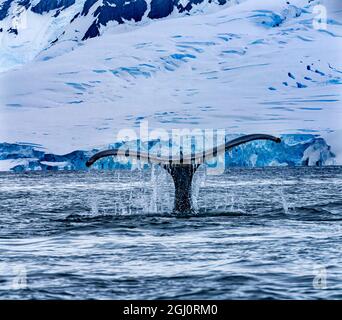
271	233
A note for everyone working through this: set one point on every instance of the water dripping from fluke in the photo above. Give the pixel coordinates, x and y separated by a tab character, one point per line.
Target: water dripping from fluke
181	169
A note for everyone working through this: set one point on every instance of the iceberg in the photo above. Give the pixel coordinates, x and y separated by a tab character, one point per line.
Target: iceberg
294	150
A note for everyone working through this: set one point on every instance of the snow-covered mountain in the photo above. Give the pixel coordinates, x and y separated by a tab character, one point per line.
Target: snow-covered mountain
27	27
75	72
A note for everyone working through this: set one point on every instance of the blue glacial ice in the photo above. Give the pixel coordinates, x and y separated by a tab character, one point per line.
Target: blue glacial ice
294	150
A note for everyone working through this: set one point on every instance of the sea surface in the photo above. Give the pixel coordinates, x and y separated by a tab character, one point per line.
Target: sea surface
262	233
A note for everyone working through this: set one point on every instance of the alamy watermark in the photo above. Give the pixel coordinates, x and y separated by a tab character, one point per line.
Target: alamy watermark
319	281
320	20
186	145
15	276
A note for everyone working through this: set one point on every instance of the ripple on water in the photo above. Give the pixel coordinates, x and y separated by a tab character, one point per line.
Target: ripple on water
257	234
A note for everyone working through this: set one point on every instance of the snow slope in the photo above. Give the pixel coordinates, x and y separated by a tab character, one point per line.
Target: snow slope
258	66
28	27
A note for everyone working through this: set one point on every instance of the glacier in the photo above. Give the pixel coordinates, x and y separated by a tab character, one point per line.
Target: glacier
294	150
75	73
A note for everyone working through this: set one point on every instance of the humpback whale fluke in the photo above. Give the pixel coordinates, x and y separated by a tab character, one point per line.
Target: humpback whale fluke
182	169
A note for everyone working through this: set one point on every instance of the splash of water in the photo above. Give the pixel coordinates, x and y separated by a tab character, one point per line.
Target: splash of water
93	199
236	204
198	182
285	204
154	181
161	199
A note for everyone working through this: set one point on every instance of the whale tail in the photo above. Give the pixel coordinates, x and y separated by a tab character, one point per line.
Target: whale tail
182	169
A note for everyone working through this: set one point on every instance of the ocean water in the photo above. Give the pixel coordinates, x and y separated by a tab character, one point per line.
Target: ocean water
271	233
